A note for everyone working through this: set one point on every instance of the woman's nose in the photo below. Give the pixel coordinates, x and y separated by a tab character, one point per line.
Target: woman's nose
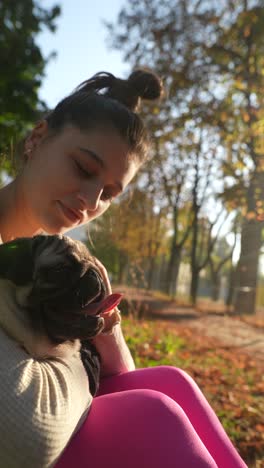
90	197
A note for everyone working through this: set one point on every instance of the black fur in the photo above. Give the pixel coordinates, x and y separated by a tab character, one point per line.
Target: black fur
65	281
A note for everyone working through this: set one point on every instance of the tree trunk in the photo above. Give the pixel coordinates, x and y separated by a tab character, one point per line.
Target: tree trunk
247	268
194	285
194	267
163	267
175	274
231	287
215	287
151	270
122	271
173	271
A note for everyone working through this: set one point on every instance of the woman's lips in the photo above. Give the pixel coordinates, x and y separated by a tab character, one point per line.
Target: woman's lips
70	214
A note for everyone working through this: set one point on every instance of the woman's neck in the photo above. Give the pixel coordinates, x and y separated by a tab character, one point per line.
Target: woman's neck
13	219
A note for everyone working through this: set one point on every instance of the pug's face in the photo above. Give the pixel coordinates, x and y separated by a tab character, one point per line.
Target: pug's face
52	295
68	292
55	290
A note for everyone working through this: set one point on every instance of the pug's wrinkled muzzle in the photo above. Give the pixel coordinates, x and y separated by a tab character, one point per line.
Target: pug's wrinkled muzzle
59	287
73	312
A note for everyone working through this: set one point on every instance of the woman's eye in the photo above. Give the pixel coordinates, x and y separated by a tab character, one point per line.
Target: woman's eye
107	196
82	171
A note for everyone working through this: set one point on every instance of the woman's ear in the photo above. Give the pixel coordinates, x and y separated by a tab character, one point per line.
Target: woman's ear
36	136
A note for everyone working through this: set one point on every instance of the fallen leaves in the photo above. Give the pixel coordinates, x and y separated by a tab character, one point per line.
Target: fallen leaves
231	380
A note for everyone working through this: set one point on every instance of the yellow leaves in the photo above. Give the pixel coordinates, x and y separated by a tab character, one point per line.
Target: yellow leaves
260	210
261	163
251	215
155	110
223	116
254	17
232	204
260	387
260	428
247	31
257	129
240	85
260	216
246	117
259	149
257	215
240	165
139	231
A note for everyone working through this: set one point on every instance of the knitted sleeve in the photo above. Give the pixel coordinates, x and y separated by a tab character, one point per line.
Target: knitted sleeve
42	404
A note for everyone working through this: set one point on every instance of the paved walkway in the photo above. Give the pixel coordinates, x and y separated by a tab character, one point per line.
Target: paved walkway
233	333
230	331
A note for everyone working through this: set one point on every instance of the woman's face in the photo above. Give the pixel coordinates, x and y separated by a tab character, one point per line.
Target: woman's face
71	178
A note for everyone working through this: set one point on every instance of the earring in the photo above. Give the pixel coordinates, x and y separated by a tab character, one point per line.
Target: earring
27	153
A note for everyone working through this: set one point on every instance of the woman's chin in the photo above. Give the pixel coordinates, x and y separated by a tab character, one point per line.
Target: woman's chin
56	225
54	228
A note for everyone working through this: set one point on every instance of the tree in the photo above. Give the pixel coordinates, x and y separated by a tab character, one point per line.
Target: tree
236	61
171	163
130	237
221	259
22	68
164	35
211	56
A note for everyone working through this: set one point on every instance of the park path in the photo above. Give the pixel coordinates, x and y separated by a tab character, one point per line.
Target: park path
229	331
233	333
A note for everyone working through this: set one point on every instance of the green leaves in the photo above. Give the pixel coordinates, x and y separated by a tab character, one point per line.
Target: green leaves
22	67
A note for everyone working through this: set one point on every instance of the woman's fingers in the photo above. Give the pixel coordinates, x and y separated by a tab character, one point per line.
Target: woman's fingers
104	274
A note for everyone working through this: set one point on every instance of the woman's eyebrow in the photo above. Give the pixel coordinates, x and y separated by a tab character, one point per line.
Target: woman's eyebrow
99	161
93	155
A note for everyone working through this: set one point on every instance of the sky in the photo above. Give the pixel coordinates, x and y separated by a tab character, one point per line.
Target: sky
80	42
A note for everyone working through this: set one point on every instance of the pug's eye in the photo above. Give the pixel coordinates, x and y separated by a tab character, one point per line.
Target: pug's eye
58	268
54	272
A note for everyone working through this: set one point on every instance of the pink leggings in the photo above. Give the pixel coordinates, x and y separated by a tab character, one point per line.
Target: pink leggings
151	418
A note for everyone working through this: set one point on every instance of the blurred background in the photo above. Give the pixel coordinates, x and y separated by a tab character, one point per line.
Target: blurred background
185	241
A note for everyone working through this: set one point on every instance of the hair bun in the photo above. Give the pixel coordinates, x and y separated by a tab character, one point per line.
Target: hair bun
141	84
147	84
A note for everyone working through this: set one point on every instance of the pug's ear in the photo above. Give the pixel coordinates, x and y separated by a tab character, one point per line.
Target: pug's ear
36	243
16	262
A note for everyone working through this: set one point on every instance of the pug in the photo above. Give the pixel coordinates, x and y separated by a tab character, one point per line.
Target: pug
53	299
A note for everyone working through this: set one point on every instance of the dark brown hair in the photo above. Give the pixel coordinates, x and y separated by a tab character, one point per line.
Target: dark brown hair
107	101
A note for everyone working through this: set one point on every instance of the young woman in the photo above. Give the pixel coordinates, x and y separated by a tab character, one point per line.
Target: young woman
75	162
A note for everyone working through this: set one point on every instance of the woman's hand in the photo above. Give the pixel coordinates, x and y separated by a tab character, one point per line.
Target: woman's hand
104	274
113	317
112	347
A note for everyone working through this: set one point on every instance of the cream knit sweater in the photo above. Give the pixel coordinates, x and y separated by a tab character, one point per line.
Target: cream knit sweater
42	403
